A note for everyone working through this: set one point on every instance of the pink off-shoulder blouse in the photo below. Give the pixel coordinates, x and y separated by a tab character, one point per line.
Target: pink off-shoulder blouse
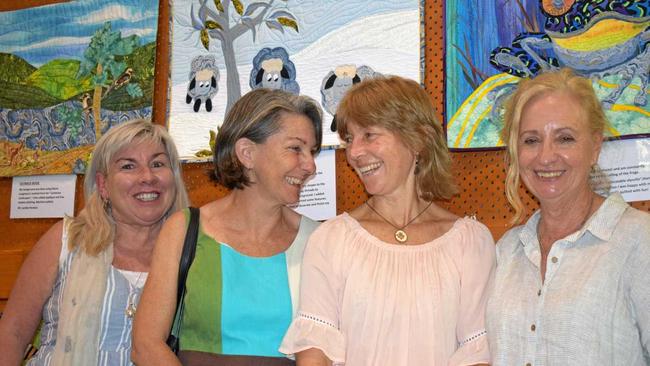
367	302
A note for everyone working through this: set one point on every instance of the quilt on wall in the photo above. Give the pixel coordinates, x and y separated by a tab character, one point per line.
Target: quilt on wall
222	49
68	73
491	45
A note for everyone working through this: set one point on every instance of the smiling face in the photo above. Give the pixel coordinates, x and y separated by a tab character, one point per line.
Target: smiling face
556	148
380	158
285	161
139	184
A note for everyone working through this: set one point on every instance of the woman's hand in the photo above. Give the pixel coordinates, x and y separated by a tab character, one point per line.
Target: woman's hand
312	357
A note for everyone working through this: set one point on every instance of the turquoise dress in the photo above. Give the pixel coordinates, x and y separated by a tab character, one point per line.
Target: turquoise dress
237	304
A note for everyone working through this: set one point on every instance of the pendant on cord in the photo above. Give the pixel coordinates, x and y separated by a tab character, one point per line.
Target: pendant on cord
130	310
131	305
401	236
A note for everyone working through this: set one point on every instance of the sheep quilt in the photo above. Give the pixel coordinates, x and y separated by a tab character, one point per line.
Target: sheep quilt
222	49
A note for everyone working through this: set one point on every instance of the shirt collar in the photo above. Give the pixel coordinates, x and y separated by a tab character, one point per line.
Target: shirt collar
604	221
528	234
601	224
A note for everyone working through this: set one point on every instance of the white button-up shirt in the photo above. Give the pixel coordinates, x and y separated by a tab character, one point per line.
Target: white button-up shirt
594	306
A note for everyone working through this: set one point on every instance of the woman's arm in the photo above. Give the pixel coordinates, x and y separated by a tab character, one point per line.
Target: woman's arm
312	357
157	306
476	270
639	286
314	335
31	290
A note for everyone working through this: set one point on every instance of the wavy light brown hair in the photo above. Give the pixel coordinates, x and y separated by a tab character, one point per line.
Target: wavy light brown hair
403	107
256	116
93	229
560	81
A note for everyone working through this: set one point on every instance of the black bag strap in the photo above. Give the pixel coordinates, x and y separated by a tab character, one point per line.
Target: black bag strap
187	256
189	248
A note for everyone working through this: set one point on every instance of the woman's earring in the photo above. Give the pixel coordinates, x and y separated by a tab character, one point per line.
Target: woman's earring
106	203
251	175
417	164
595	168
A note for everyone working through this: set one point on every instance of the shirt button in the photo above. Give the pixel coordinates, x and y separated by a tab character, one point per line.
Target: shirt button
554	259
528	364
539	292
532	327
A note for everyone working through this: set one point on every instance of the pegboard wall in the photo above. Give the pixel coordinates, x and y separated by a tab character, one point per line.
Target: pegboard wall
480	175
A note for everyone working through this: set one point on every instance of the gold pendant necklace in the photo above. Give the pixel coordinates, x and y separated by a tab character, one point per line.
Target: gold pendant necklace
400	234
131	307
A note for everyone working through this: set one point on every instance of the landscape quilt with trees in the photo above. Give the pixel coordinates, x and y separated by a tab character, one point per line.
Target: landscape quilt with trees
68	73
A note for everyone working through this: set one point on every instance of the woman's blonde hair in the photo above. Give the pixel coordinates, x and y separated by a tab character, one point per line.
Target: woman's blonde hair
560	81
93	229
403	107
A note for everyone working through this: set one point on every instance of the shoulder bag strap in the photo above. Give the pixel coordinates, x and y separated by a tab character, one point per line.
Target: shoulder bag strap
189	248
187	256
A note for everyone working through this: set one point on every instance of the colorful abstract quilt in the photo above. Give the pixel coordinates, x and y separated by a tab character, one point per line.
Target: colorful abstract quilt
491	45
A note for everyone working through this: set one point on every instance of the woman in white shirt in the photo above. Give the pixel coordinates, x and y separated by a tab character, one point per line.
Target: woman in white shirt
572	285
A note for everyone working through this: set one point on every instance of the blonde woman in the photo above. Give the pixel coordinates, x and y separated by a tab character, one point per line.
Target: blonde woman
572	285
85	275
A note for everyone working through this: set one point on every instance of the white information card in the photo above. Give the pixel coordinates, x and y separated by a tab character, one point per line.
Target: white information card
627	166
318	196
42	196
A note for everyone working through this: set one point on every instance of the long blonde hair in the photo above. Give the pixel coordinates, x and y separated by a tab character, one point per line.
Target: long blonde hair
93	229
561	81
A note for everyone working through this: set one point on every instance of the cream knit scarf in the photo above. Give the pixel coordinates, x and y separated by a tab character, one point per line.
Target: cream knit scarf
77	337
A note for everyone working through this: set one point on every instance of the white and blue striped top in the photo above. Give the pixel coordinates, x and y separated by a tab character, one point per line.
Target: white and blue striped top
115	337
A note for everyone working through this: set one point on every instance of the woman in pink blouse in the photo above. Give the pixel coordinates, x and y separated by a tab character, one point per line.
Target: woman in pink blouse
399	280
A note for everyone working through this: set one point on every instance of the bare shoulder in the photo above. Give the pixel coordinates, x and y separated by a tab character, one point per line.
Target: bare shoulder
213	207
31	290
176	221
360	213
39	270
442	214
48	246
42	262
54	233
171	237
215	215
441	218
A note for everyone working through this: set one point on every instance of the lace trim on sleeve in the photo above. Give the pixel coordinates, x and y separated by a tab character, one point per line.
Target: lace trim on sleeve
317	320
472	337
